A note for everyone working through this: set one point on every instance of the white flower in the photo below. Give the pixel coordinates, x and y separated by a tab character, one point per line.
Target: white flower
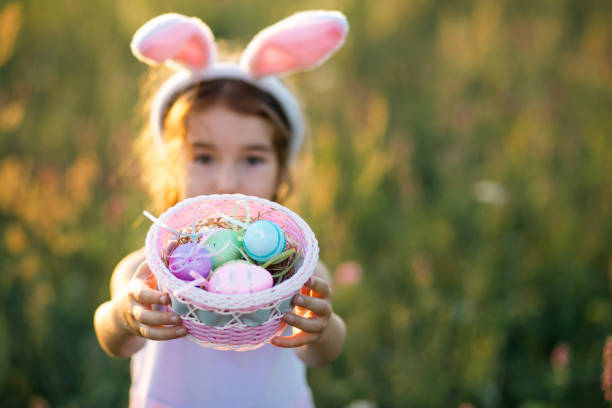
490	192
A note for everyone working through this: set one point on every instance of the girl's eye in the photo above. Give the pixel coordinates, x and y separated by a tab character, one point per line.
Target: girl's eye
254	160
203	158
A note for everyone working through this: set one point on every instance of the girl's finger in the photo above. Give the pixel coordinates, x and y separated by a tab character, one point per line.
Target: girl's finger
170	246
318	306
168	249
161	333
155	318
144	274
319	287
315	325
144	294
297	340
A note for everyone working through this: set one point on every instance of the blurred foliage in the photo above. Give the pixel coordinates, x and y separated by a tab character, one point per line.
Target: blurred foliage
459	151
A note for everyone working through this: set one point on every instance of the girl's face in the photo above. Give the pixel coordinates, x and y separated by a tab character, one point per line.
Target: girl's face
229	152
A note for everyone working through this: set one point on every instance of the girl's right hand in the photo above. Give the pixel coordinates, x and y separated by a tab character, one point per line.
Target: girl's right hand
135	309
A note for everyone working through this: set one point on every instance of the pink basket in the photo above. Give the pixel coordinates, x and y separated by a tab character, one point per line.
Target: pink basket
231	321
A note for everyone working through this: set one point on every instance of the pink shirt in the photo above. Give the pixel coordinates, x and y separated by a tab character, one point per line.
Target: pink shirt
180	373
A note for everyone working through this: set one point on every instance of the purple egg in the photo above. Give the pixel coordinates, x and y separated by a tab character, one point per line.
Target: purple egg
189	257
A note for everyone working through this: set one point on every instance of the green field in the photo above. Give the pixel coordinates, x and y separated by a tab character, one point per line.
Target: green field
460	152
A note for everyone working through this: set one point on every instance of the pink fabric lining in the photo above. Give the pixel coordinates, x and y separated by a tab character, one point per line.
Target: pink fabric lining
163	46
176	38
294	48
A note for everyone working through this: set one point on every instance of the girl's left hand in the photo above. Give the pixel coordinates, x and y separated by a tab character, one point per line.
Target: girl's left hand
313	312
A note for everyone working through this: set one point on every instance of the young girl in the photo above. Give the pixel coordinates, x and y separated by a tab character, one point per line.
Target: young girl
221	128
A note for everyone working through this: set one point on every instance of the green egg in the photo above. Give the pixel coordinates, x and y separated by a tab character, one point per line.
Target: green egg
227	241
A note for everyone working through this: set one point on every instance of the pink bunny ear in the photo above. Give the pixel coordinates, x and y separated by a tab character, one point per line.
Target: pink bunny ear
302	41
174	38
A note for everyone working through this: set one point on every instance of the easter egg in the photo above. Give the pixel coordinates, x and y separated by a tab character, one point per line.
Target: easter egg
263	240
239	277
189	257
224	244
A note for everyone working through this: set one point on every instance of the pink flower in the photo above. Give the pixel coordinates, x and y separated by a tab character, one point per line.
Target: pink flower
348	273
560	356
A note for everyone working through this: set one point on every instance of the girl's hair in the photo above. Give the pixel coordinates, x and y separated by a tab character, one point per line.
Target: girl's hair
161	170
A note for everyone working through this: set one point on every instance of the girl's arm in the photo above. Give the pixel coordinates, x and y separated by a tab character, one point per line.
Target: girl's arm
123	323
318	332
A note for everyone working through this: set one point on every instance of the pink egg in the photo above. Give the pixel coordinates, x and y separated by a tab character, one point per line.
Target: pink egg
239	277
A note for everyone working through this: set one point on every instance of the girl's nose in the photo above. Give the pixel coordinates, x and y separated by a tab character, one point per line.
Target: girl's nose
227	179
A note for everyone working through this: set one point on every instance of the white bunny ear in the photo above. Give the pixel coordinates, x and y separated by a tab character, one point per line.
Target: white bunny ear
175	38
300	42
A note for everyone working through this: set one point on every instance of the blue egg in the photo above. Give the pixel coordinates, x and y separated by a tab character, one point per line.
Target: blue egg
263	240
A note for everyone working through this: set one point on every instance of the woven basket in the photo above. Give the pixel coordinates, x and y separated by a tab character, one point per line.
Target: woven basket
231	321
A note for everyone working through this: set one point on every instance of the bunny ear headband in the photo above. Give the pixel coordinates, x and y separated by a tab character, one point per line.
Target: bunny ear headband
187	45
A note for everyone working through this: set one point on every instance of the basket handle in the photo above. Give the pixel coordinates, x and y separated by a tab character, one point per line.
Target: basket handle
176	232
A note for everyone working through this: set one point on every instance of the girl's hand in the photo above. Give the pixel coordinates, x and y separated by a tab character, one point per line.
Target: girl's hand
135	312
313	312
